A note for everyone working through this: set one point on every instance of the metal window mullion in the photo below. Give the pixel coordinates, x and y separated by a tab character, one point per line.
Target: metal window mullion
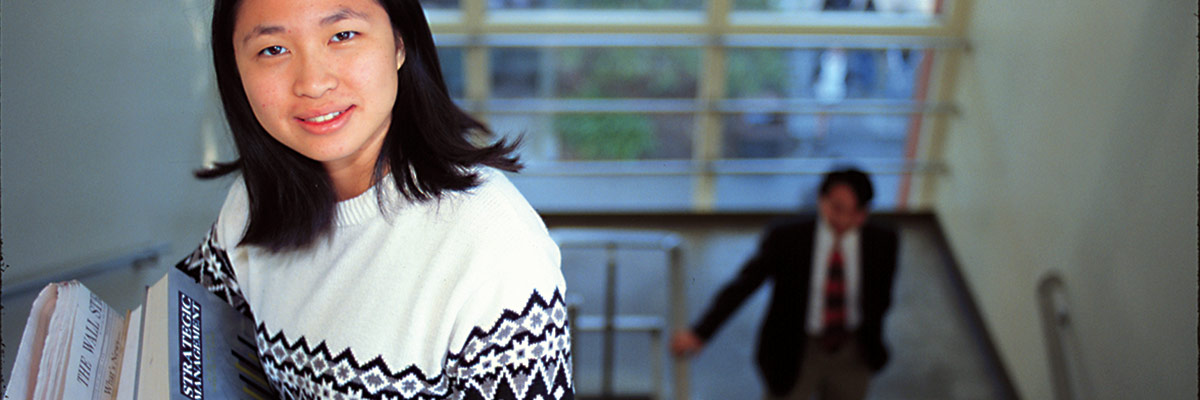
808	25
474	31
547	103
947	74
478	67
726	167
707	135
554	105
956	23
845	107
534	27
473	14
916	124
478	82
455	36
858	42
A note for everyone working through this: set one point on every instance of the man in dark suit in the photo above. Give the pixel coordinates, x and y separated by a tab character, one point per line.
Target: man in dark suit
832	279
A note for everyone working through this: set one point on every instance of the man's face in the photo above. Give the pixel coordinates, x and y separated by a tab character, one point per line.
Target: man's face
840	209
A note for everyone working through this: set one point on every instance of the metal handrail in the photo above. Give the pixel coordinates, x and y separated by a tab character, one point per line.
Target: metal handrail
143	255
542	105
1067	372
610	240
737	40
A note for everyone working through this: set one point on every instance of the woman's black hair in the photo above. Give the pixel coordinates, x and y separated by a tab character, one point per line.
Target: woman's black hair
428	148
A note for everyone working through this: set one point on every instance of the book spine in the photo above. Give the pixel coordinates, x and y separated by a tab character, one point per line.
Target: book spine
191	348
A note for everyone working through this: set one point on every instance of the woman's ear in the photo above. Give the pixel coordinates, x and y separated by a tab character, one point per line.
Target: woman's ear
399	52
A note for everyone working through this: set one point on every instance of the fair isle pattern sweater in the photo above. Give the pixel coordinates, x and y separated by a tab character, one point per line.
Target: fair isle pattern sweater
457	298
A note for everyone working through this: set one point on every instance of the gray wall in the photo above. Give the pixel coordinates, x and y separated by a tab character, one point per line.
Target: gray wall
1076	152
104	104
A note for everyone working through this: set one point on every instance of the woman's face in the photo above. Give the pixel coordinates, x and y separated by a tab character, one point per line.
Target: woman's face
320	75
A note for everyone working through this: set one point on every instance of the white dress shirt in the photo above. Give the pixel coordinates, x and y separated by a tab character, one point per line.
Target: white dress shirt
823	244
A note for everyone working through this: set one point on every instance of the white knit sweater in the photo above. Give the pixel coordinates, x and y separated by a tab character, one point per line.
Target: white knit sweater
460	297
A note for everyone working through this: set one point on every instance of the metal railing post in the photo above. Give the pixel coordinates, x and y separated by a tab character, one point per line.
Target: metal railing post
610	322
679	366
610	312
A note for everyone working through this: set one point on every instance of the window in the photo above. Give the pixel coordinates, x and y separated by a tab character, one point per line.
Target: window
703	106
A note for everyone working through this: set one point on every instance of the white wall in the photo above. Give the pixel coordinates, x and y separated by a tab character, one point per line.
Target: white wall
103	107
1077	151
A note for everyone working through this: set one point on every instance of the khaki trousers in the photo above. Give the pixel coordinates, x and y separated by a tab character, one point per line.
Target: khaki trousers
840	375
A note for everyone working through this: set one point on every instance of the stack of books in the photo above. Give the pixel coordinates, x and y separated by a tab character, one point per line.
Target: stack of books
182	343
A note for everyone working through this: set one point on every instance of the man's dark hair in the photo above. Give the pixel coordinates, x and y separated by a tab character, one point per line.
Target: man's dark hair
428	149
857	180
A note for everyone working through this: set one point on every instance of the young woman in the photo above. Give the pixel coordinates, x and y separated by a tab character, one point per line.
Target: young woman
379	251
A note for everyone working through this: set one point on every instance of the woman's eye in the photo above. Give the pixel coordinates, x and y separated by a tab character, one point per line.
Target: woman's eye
273	51
344	36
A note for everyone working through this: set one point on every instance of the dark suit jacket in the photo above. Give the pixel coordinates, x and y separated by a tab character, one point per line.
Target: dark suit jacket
781	257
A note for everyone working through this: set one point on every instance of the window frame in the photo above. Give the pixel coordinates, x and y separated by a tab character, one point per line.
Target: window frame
714	30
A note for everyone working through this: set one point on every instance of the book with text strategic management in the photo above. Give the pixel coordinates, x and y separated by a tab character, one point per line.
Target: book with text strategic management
182	343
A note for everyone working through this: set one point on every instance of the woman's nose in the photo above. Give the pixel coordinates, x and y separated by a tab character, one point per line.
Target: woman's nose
314	78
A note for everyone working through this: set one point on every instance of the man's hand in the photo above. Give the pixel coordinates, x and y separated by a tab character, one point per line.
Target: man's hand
685	343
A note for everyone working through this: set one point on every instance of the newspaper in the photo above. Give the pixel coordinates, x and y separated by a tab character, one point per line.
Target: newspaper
182	343
75	347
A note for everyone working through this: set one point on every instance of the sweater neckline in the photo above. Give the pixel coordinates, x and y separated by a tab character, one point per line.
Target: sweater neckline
365	206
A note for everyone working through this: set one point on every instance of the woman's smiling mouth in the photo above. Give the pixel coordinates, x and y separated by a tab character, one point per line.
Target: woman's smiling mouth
325	123
325	117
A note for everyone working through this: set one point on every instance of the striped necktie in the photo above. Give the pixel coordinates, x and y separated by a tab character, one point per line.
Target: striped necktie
834	314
